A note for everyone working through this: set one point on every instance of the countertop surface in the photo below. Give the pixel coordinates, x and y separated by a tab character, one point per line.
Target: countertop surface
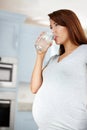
25	97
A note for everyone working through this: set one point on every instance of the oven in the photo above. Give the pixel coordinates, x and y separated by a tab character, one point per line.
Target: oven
7	110
5	106
8	69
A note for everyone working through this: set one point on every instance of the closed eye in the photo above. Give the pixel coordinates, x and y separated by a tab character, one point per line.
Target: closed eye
50	27
54	25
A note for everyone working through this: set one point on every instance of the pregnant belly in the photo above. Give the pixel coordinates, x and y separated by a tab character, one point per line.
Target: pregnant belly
58	111
44	106
42	110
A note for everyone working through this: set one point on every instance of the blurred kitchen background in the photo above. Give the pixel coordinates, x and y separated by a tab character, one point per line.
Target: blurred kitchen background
21	21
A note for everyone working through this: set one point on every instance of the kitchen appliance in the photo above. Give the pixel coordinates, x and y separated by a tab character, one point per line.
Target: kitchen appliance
8	72
7	110
8	87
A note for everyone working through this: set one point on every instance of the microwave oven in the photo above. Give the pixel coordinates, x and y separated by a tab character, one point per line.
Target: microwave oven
8	72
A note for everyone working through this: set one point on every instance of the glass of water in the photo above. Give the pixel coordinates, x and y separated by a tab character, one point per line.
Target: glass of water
44	41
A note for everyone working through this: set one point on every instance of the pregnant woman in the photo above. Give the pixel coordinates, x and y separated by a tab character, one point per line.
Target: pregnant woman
61	86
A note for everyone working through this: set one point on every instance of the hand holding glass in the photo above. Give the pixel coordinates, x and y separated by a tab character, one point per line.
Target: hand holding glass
44	42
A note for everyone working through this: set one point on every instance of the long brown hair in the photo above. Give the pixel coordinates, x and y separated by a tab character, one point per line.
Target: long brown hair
68	18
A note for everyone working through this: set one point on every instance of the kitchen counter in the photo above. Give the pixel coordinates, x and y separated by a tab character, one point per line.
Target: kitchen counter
25	97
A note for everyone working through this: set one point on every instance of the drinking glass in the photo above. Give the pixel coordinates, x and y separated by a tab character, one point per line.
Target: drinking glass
44	41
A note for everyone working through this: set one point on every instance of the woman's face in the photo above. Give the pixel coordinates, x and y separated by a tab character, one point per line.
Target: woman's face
61	35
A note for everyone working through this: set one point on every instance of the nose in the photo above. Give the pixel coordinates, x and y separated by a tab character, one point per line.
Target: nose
53	30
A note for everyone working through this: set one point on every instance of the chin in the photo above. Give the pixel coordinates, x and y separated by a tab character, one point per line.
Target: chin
58	43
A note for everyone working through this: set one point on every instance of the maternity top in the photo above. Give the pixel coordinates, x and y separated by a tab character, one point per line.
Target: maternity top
61	101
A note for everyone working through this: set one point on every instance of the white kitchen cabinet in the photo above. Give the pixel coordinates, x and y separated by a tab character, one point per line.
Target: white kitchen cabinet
10	24
8	39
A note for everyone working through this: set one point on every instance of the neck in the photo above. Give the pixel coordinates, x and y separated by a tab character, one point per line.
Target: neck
70	47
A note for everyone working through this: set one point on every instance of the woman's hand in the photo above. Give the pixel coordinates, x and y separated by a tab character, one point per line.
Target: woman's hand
42	44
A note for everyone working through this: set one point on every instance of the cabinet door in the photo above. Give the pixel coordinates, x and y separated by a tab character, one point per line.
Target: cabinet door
8	39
